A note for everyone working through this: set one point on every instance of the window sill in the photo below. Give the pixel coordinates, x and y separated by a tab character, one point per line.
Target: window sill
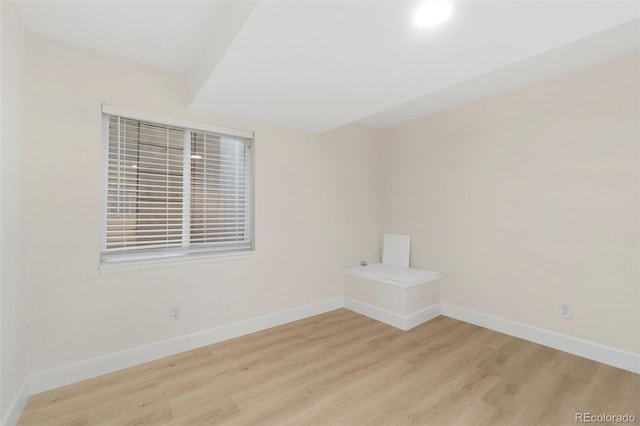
168	262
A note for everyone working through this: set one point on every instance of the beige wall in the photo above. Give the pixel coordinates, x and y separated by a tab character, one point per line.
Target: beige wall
317	210
12	361
529	199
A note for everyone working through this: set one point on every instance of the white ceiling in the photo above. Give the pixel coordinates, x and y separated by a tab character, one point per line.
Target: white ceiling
316	65
167	34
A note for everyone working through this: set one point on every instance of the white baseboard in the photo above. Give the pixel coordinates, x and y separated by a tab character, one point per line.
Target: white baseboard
41	381
403	322
595	351
422	316
14	410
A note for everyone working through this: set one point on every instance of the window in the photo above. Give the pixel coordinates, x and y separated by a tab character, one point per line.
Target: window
173	188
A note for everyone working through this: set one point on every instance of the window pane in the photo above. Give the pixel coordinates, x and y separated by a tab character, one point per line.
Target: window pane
144	196
219	189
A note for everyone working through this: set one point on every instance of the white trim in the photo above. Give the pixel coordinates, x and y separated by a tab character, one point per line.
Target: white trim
403	322
595	351
71	373
41	381
17	404
422	316
393	275
172	261
173	121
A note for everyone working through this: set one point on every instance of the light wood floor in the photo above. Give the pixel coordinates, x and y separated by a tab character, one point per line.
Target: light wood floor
341	368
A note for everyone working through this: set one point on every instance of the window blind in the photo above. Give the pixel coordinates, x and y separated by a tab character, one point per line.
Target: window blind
174	191
218	190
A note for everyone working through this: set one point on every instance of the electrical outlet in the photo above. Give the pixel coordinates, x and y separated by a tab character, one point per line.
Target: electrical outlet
564	311
174	313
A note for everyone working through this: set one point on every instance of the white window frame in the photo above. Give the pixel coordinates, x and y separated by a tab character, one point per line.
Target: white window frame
175	256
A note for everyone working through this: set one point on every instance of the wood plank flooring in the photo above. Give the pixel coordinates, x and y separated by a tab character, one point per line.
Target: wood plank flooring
341	368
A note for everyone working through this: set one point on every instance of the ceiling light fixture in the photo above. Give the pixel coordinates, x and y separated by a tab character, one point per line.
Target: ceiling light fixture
432	13
196	157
